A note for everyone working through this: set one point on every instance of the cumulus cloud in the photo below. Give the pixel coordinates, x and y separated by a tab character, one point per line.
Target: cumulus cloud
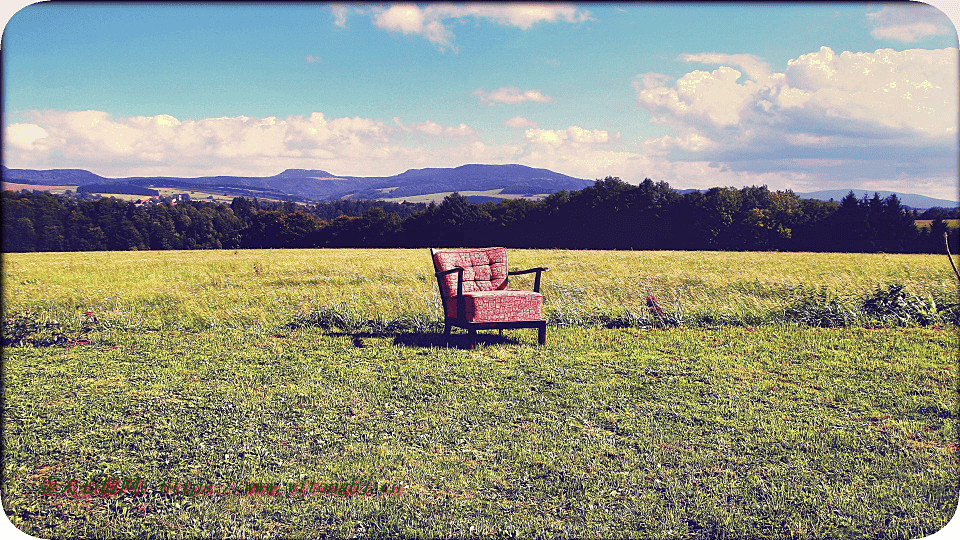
163	144
909	23
23	136
895	112
432	21
821	96
242	145
520	123
511	96
754	67
312	59
339	15
573	134
433	129
410	19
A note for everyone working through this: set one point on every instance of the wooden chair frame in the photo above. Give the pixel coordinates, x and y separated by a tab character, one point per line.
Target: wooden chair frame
472	327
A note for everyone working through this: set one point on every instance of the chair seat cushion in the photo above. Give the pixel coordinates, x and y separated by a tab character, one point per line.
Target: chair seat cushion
497	306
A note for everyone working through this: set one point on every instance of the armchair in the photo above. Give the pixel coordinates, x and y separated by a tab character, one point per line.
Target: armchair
474	293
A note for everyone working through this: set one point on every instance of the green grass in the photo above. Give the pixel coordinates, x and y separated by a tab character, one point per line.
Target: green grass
213	367
137	291
951	223
438	197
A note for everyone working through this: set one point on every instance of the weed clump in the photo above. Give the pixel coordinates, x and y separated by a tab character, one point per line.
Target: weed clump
894	307
338	316
346	318
34	328
820	308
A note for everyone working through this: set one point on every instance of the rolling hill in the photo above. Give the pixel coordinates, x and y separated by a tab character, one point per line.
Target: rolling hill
318	185
906	199
481	182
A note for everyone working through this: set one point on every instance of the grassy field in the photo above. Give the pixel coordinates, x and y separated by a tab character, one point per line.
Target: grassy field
735	415
951	223
212	195
438	197
59	190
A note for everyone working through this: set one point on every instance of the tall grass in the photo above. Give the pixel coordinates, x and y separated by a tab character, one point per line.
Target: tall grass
395	290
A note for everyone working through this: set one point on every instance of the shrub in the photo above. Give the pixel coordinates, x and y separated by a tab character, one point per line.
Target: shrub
819	307
34	328
339	316
894	307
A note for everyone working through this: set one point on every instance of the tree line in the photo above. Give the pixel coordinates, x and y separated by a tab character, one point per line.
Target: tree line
611	214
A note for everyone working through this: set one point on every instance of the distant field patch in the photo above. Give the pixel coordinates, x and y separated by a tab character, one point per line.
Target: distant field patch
12	186
925	223
438	197
198	195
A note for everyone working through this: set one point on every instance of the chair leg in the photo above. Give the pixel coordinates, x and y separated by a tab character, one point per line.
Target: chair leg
542	333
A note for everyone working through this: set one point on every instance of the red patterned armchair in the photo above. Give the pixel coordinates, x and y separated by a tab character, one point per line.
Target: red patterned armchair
474	293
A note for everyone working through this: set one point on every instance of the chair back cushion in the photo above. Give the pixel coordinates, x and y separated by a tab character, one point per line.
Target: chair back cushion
484	269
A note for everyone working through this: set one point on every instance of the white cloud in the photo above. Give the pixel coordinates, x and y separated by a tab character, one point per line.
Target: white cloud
511	96
887	93
406	18
882	114
754	67
880	95
339	15
23	136
433	129
573	135
520	123
436	130
909	23
523	16
311	59
651	80
431	21
240	145
690	141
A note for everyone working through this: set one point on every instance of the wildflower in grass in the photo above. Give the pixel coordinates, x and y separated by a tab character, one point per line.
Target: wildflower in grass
653	305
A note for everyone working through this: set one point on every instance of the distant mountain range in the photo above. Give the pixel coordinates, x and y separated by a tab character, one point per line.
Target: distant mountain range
906	199
918	202
494	181
301	184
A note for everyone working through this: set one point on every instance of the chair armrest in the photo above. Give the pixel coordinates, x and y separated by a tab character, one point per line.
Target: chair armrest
459	272
518	272
536	280
450	271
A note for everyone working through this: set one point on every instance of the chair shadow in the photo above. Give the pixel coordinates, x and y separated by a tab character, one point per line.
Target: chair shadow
428	340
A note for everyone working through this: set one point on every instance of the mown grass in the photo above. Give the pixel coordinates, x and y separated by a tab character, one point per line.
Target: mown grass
219	367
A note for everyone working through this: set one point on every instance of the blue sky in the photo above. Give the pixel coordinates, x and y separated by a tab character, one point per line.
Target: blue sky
800	96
